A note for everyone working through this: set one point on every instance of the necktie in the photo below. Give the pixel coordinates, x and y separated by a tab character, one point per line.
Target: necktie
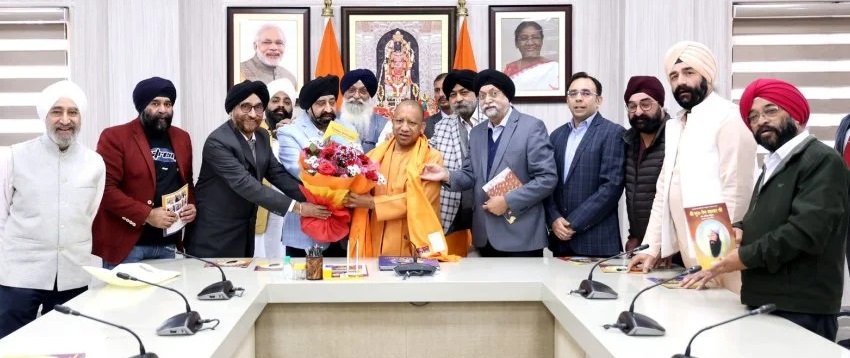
253	144
464	138
847	154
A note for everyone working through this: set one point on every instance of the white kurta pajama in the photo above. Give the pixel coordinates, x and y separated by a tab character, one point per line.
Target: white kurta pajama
709	158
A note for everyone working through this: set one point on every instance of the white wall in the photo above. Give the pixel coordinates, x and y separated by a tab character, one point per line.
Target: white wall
116	43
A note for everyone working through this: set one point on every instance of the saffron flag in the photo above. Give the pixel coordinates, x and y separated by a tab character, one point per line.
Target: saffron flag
330	61
464	57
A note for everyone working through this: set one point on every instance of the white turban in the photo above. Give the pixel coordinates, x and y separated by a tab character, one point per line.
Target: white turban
283	85
695	55
54	92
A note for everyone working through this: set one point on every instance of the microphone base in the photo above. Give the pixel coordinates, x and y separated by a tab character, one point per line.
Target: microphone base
183	324
636	324
146	355
221	290
682	356
594	290
415	269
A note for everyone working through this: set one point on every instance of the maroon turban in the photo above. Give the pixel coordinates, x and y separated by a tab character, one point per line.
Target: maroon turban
645	84
780	93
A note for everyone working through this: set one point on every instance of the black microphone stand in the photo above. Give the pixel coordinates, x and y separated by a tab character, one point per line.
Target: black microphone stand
181	324
415	268
763	309
591	289
221	290
142	354
636	324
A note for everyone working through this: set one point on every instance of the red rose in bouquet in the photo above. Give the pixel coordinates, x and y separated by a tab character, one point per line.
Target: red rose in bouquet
326	168
328	172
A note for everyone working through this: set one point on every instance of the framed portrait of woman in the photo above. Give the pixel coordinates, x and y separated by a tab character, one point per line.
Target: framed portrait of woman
533	45
406	48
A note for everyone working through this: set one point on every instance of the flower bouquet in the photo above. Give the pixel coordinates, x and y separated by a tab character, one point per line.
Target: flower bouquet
330	170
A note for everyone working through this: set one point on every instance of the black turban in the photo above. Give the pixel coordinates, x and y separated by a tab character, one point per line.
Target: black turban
361	74
320	86
147	90
243	90
495	78
464	78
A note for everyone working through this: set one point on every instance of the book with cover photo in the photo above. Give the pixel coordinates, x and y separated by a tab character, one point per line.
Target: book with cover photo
709	233
388	263
501	184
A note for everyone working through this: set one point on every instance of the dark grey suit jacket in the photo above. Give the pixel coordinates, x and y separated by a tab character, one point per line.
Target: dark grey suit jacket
525	148
229	189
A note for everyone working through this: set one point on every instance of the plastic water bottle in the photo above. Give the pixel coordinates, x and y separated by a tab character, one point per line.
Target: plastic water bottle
288	270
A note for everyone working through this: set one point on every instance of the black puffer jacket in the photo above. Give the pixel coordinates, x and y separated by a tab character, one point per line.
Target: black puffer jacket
642	177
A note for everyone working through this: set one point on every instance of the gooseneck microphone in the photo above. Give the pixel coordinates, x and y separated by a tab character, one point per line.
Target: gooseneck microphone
221	290
591	289
636	324
142	354
182	324
770	307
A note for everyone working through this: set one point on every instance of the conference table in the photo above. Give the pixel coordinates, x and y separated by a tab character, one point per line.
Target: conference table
478	307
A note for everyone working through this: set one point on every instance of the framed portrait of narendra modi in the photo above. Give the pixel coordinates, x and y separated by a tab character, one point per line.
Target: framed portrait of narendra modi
267	44
406	48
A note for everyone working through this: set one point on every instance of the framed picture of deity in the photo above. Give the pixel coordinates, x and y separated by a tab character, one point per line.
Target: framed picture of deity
266	44
533	45
406	48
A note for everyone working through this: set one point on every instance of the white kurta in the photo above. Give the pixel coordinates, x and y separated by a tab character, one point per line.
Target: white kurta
47	205
716	163
267	244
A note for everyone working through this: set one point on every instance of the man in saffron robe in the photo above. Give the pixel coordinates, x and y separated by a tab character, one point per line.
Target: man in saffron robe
406	207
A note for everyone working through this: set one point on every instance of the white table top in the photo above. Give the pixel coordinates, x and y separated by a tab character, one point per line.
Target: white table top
681	312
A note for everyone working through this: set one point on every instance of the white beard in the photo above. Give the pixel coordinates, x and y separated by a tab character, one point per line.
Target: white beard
268	61
358	115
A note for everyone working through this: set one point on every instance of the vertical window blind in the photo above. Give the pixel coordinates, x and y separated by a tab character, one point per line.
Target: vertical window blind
806	43
33	54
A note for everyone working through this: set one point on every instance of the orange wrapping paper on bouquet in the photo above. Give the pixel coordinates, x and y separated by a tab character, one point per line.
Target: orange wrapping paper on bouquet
329	191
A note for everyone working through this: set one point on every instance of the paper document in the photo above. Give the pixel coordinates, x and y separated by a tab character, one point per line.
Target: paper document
139	270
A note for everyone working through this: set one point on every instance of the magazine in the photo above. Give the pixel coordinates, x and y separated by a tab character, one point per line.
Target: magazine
580	260
268	266
174	202
614	268
677	281
345	271
243	263
709	232
670	284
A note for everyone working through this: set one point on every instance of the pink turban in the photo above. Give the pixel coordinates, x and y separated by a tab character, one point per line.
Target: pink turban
778	92
695	55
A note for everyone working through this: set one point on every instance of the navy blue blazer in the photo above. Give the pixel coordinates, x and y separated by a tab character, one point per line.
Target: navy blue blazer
588	198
